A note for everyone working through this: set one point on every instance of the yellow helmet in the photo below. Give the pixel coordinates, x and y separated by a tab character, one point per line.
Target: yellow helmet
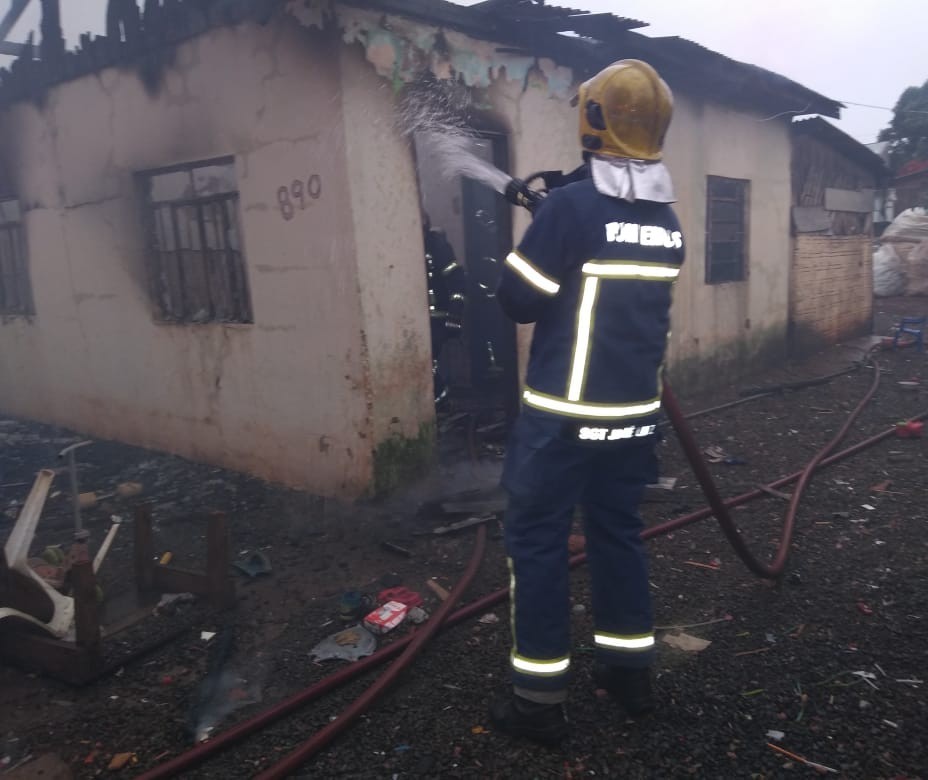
625	111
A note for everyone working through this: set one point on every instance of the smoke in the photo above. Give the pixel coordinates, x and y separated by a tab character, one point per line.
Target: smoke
230	684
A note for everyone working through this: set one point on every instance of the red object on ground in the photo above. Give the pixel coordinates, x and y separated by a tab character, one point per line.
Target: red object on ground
909	430
386	617
403	595
864	608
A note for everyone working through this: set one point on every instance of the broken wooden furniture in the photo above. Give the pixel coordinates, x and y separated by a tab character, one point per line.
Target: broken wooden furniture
25	642
61	636
153	578
40	627
29	597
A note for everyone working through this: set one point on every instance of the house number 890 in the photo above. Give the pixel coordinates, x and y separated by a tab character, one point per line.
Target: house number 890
288	198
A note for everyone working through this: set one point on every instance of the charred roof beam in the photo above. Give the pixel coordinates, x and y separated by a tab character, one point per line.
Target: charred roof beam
12	16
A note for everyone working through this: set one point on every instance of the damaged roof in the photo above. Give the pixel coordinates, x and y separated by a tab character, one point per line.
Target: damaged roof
589	41
582	40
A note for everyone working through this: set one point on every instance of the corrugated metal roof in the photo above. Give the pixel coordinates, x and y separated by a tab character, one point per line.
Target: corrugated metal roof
842	142
741	82
912	168
557	18
535	27
526	25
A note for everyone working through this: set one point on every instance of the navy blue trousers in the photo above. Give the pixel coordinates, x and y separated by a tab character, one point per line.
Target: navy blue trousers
546	476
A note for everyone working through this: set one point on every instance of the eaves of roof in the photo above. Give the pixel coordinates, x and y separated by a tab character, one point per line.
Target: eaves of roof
589	41
584	41
840	141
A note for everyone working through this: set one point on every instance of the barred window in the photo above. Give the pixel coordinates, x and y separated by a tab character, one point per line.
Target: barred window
726	229
196	261
15	287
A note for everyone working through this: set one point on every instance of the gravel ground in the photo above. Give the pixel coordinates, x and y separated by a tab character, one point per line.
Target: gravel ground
830	656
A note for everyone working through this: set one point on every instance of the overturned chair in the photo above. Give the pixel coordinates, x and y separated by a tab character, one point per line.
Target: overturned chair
61	635
34	616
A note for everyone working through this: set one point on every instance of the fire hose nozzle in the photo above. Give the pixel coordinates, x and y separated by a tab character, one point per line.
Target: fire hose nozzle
520	194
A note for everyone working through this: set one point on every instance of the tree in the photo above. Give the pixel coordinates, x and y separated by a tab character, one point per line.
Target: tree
908	131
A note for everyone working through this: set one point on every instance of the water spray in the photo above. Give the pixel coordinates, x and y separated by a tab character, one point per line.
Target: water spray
432	112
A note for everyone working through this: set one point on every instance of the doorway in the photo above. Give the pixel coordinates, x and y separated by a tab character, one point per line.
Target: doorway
478	368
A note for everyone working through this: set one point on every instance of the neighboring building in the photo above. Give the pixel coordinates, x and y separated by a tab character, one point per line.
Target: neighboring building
831	287
211	233
911	186
884	199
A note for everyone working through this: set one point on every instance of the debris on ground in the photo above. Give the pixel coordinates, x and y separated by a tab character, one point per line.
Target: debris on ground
687	642
396	548
716	454
386	617
228	686
353	604
254	564
169	602
458	526
48	766
437	589
403	595
813	764
714	565
122	760
909	430
349	644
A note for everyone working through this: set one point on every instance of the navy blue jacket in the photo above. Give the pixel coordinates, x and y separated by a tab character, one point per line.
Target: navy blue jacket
594	274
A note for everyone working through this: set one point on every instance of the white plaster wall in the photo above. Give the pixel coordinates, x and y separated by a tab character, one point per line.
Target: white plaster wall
387	226
284	398
708	139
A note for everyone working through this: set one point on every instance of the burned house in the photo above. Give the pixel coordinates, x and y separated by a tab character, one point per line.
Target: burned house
831	285
211	221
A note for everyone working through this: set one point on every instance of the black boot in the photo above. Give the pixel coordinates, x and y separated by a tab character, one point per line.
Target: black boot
630	687
518	717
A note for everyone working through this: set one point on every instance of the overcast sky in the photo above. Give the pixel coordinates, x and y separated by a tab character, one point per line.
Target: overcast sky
860	51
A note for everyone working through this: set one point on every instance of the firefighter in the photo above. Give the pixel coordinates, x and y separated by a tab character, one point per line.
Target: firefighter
594	272
447	282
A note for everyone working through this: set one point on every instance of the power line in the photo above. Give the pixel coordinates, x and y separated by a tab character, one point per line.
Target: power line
883	108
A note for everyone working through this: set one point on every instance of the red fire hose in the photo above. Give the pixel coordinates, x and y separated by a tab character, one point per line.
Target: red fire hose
717	504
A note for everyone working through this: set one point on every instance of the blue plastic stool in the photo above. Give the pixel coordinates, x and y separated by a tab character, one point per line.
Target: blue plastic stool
912	326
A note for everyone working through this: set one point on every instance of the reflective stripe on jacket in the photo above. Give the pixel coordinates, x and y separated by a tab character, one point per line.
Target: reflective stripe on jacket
595	274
